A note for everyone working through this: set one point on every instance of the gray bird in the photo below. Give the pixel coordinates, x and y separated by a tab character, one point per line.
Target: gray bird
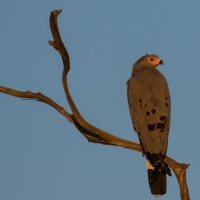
149	105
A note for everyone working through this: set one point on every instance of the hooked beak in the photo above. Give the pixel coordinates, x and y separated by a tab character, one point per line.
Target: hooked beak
161	62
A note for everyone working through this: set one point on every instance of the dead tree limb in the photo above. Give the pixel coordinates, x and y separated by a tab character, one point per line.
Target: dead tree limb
92	133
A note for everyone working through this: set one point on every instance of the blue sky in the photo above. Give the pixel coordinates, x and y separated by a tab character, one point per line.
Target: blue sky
45	157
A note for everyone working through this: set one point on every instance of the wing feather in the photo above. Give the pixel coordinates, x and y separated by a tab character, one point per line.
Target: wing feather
149	105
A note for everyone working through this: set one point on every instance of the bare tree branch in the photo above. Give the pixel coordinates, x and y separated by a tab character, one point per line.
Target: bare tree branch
92	133
180	172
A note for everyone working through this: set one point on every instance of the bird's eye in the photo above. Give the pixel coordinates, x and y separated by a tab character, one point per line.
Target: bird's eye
151	59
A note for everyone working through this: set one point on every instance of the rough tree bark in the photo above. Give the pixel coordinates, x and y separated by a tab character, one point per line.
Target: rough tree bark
92	133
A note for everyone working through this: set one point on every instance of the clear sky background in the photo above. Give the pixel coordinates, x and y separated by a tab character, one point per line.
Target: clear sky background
42	156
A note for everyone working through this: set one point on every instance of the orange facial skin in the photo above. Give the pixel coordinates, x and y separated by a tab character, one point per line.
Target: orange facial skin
154	60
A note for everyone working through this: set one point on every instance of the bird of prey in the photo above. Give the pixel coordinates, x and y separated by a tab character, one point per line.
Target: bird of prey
149	105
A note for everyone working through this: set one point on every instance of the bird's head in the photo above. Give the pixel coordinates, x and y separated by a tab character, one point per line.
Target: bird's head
148	61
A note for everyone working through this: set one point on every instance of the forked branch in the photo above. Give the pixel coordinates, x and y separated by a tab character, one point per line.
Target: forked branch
92	133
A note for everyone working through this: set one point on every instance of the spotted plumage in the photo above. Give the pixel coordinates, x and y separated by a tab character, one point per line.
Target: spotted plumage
149	105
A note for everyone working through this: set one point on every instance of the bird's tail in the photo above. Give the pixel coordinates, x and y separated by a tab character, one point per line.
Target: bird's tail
157	178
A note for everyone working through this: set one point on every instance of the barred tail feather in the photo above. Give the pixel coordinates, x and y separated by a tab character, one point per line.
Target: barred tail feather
158	186
158	183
